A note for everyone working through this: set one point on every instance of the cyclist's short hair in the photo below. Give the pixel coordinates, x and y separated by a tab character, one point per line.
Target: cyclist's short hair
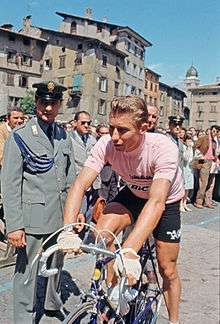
130	105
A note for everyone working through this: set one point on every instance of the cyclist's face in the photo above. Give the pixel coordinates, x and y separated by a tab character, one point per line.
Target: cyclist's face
125	134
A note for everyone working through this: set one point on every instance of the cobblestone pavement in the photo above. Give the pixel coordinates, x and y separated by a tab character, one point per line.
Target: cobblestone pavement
198	265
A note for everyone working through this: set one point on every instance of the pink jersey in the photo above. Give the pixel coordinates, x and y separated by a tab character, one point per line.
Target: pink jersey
155	158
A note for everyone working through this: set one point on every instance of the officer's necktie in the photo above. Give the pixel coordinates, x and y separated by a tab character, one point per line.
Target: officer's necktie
84	138
50	133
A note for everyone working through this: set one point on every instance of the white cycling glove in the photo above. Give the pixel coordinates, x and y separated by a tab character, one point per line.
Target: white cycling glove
69	242
132	266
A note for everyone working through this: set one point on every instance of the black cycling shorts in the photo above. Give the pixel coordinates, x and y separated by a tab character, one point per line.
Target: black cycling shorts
169	227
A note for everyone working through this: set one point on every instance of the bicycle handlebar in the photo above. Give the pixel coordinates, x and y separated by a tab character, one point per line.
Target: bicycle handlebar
89	248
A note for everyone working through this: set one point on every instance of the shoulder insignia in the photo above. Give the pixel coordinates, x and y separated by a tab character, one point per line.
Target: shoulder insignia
34	130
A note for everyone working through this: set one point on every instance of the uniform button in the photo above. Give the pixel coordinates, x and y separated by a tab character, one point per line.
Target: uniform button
58	179
60	191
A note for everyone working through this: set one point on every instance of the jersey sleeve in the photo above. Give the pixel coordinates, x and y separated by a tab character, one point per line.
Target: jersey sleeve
166	159
98	156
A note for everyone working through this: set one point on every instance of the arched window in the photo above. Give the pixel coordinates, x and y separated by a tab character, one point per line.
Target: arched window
73	27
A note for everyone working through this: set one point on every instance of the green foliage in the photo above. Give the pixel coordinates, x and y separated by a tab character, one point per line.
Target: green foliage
28	103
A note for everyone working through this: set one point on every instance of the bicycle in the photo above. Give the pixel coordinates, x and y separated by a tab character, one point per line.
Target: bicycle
96	307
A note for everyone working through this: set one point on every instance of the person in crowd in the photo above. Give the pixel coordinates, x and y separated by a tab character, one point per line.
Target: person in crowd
175	126
83	142
205	152
213	132
153	117
188	176
38	168
93	131
109	178
148	163
193	133
182	135
14	118
200	133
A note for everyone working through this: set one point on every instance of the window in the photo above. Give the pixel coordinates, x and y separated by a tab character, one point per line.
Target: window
62	61
11	38
80	46
155	88
127	67
127	89
133	90
10	79
99	29
146	84
155	102
161	112
102	107
151	86
57	42
78	59
139	92
103	84
26	60
104	60
73	28
140	73
116	92
48	64
11	57
134	69
61	80
26	42
213	107
77	80
23	81
150	100
127	45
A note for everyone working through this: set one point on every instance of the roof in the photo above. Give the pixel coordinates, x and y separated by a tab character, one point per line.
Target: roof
153	72
104	23
22	35
192	72
206	87
172	88
91	39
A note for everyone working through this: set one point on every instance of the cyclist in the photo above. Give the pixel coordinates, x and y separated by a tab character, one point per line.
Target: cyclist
148	163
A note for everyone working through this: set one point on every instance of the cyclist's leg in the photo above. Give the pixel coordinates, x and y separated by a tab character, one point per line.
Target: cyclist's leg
167	254
115	218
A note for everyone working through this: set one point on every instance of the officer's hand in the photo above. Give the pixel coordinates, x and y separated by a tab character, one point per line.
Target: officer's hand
17	238
69	242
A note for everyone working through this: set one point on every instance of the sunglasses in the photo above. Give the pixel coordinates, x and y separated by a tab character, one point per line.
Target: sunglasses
83	122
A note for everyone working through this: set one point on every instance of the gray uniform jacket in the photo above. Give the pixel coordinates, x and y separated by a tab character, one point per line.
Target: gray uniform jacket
81	152
34	201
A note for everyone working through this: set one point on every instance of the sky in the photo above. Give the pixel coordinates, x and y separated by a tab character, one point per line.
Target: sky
183	32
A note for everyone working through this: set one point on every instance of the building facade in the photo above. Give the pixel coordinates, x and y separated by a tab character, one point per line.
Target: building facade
152	89
20	65
205	106
95	60
171	103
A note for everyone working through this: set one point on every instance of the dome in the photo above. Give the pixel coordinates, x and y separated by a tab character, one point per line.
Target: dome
192	72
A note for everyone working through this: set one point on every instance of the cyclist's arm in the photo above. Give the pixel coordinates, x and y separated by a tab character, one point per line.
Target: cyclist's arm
150	214
76	193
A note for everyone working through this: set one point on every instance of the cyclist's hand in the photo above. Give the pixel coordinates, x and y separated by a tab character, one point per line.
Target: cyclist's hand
69	242
132	267
17	238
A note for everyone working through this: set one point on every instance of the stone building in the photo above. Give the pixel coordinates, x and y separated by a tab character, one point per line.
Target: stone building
171	103
20	65
205	106
151	89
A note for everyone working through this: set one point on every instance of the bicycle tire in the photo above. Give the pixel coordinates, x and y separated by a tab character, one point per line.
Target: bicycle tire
84	314
148	310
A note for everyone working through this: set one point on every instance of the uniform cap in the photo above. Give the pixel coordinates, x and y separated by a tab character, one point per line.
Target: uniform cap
178	120
49	90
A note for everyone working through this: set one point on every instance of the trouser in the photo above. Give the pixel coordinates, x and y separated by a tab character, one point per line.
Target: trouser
24	295
203	181
209	189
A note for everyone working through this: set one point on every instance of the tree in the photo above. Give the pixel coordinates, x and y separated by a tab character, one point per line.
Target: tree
28	103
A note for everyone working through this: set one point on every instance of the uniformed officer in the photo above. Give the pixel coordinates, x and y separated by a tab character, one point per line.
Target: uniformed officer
38	167
175	125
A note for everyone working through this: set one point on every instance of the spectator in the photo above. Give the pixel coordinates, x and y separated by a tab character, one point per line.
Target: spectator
109	178
205	147
187	171
15	117
152	118
83	142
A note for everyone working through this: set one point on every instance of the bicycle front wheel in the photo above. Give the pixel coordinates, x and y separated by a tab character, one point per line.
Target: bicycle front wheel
87	313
